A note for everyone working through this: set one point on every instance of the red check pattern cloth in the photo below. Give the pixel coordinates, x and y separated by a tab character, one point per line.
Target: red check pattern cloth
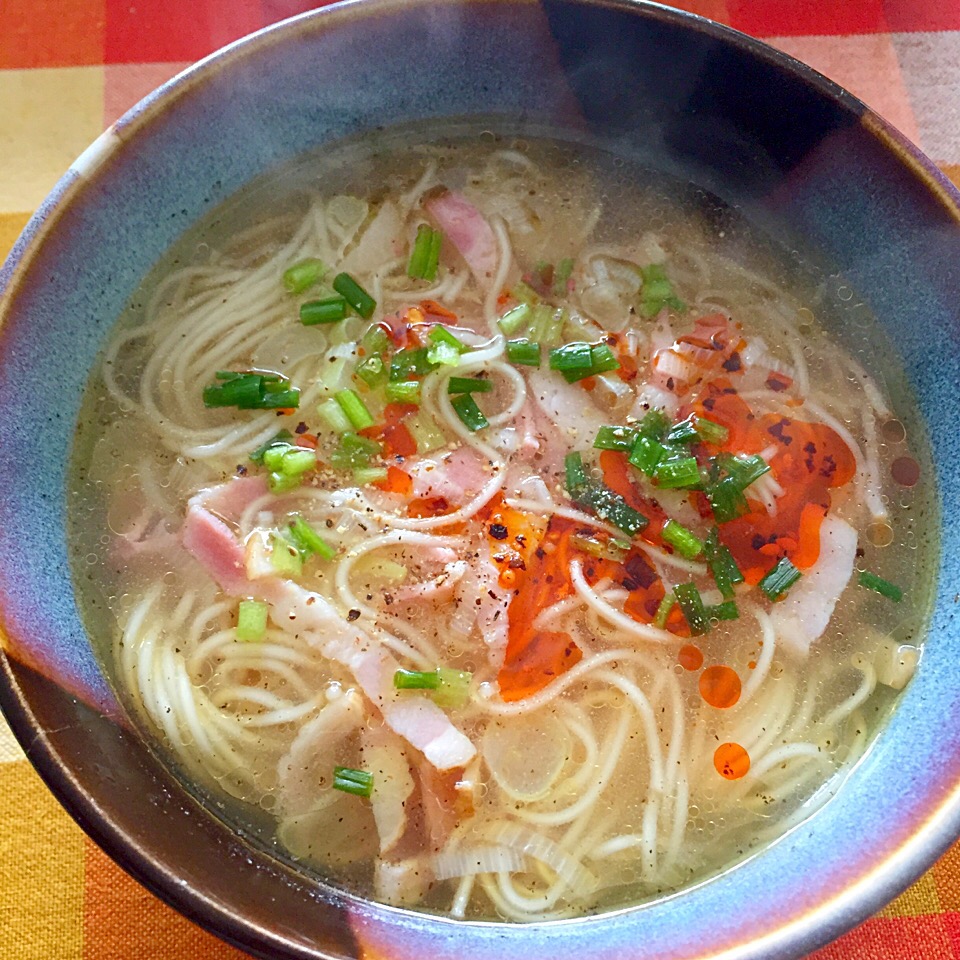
68	68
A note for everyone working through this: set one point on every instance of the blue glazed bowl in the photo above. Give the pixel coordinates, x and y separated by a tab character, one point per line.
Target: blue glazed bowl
795	153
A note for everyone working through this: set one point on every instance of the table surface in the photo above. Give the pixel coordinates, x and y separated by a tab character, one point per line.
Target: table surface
68	68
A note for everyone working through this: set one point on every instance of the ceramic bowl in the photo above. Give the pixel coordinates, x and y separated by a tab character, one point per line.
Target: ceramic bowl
788	148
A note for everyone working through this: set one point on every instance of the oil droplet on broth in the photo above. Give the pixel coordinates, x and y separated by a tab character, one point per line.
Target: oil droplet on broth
720	686
689	657
731	760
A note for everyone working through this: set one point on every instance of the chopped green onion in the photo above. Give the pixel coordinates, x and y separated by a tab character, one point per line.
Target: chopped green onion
375	340
308	541
363	476
691	605
524	352
285	558
525	294
280	437
355	295
683	432
355	409
354	451
654	425
404	391
251	620
575	471
744	469
561	274
723	611
296	461
726	573
657	292
250	391
416	679
335	418
610	506
303	275
328	310
677	471
615	438
884	587
440	334
471	416
443	354
449	688
647	454
425	256
546	324
726	499
580	359
514	319
663	611
682	540
357	782
283	483
711	432
425	431
780	579
372	371
468	385
410	362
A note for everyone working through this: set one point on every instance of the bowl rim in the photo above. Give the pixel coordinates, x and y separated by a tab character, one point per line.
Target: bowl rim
829	918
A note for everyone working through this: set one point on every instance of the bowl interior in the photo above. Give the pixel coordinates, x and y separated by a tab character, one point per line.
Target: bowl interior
787	149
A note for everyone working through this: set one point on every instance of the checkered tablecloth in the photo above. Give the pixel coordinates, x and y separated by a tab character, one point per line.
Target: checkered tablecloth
68	68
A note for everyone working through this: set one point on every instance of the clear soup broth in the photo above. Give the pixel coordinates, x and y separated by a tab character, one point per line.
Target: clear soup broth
498	529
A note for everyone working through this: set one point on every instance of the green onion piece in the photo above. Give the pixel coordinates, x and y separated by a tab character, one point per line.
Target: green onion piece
425	431
357	782
726	573
471	416
682	540
303	275
355	295
404	391
454	688
615	438
443	354
647	453
546	324
251	620
711	432
308	541
561	274
440	334
726	499
375	340
691	605
335	418
372	371
425	256
296	461
602	360
280	437
657	292
273	456
780	579
723	611
525	294
575	471
280	400
514	319
675	472
571	358
409	363
524	352
355	409
416	679
354	451
663	611
884	587
610	506
251	391
468	385
683	432
282	482
363	476
743	469
654	425
285	558
329	310
615	550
